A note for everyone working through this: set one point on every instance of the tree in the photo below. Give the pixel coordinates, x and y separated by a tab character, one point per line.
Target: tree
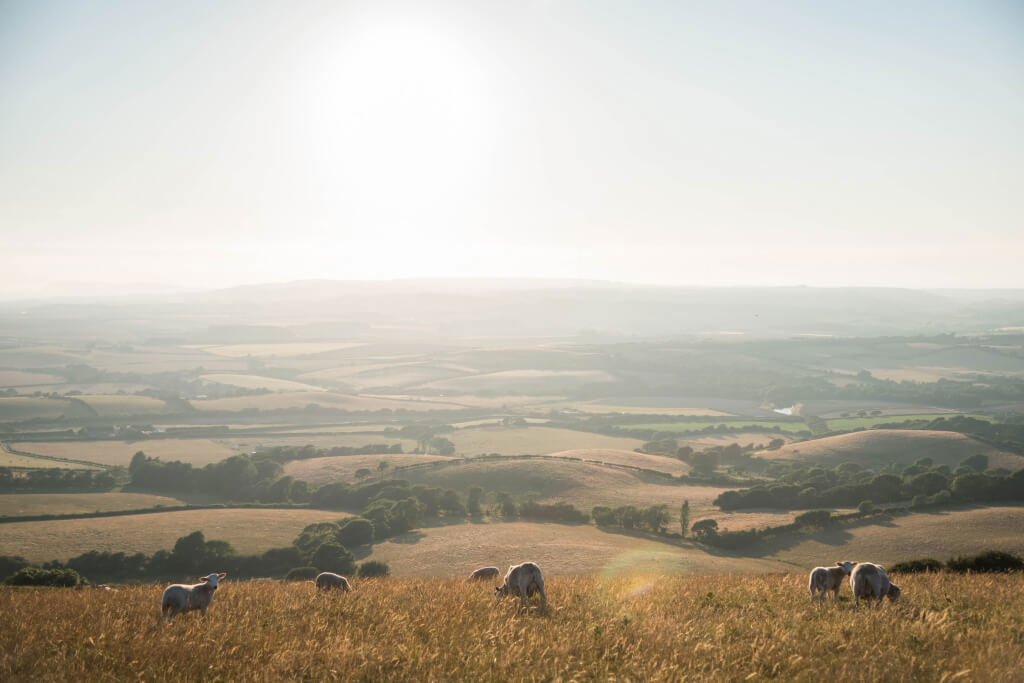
926	484
684	517
978	463
473	501
442	445
355	532
655	518
314	535
382	466
373	568
705	529
362	473
705	462
333	557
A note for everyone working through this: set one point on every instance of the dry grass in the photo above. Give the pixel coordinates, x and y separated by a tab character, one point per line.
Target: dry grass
20	378
195	451
940	534
883	446
559	548
319	471
11	460
628	458
21	504
648	628
248	530
533	440
581	484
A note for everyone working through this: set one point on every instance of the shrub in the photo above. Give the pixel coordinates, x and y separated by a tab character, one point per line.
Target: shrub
815	518
373	568
925	564
866	507
33	576
301	574
988	561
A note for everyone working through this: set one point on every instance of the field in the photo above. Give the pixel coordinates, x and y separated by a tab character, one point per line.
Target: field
29	407
628	458
12	460
650	628
784	426
195	451
300	399
581	484
878	447
122	406
846	424
22	504
579	549
318	471
533	440
248	530
940	534
259	382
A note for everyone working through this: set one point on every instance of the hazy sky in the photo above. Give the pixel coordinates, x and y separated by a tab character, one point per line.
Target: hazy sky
707	143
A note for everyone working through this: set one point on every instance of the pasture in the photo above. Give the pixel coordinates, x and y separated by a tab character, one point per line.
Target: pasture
293	400
696	426
581	484
23	504
880	447
282	350
17	408
532	440
846	424
197	452
248	530
629	627
319	471
258	382
123	406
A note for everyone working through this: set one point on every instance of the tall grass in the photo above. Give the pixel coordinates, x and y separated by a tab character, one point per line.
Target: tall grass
640	628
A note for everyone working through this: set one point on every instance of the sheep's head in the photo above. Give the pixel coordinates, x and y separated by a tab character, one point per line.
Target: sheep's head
212	579
894	592
847	566
500	591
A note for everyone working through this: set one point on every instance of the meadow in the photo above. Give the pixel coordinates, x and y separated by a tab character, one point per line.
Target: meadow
197	452
24	504
628	627
880	447
532	440
846	424
696	426
248	530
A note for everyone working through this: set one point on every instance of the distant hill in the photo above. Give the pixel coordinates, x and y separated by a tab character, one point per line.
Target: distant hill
877	447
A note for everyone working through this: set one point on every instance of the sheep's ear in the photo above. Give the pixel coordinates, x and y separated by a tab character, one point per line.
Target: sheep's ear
853	564
203	579
222	575
839	564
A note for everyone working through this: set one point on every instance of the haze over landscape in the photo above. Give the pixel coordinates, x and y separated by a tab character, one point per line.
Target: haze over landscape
678	301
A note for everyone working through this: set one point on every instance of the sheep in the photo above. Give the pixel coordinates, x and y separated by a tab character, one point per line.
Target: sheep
185	598
484	573
523	579
326	581
870	581
825	579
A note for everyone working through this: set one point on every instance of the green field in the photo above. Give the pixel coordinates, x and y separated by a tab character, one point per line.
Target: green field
767	425
846	424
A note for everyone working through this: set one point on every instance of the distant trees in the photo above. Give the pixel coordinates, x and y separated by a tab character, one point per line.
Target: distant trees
684	517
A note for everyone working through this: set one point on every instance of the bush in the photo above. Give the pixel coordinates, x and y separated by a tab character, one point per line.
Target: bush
866	507
373	568
33	576
301	574
813	518
988	561
925	564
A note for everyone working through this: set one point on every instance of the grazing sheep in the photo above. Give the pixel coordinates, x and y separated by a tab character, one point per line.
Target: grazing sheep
524	580
484	573
185	598
825	579
326	581
870	581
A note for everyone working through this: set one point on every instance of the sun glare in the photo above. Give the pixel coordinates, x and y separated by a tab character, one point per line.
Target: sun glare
399	121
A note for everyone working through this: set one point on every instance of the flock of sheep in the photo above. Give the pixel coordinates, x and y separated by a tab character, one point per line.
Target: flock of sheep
867	581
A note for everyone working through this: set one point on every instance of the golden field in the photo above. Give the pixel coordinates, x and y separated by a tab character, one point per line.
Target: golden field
630	627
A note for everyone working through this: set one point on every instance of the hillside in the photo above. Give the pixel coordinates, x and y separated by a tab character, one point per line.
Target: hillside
878	447
644	628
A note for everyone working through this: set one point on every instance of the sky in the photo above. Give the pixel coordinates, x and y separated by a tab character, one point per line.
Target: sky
196	144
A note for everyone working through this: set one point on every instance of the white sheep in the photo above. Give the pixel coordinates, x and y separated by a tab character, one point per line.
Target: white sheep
484	573
523	580
185	598
825	579
326	581
870	581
